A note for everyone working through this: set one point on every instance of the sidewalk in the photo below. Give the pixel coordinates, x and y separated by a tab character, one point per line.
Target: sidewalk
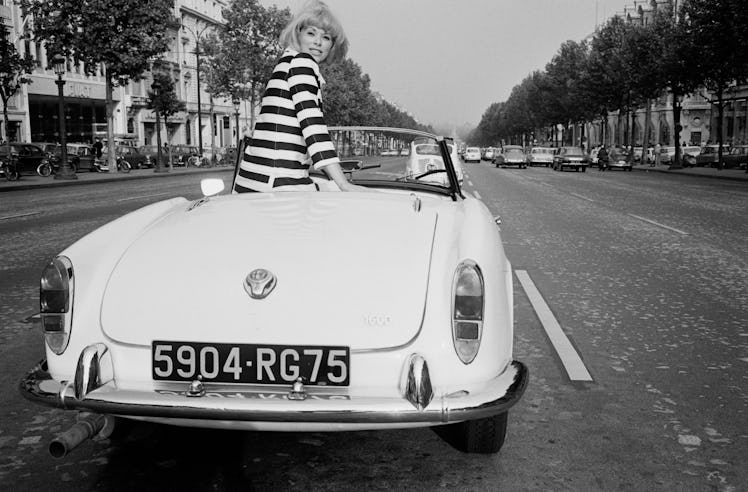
29	182
699	172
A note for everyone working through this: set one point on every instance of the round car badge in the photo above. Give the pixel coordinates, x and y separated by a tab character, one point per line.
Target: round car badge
259	283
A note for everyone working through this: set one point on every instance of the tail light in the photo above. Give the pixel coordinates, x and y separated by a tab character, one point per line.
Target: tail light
56	303
467	310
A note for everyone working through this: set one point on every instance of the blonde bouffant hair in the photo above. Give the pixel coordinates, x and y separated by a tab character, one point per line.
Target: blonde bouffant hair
316	14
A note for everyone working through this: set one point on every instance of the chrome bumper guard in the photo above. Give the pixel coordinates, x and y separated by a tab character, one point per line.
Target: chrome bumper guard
88	392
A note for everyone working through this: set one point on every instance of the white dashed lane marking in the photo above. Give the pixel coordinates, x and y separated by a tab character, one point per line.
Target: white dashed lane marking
582	197
573	364
19	215
142	196
659	225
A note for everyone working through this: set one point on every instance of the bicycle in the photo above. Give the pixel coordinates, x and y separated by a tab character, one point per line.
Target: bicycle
10	171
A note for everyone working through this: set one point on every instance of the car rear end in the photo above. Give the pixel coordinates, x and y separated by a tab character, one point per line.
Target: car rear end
472	154
540	157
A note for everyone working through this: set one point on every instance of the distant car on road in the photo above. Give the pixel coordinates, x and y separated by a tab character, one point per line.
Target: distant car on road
540	156
472	154
573	157
619	159
513	155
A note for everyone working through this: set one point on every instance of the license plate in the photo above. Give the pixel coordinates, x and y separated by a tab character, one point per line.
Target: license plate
249	363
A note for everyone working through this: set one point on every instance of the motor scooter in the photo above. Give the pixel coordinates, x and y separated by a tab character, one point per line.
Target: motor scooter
122	165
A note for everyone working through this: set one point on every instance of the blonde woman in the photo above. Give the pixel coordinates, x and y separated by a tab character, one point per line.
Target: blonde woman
290	133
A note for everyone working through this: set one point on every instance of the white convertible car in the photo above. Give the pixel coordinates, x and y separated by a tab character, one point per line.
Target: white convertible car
311	311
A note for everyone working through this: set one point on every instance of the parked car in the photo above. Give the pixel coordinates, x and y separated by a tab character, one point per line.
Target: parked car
708	156
422	334
512	155
132	155
540	156
24	159
488	154
51	148
618	158
570	156
227	155
82	157
472	154
185	155
738	157
150	152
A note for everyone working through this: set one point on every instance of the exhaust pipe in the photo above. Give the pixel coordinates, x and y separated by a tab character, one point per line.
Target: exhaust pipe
88	426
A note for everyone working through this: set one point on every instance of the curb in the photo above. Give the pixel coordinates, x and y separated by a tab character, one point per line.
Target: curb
118	176
730	176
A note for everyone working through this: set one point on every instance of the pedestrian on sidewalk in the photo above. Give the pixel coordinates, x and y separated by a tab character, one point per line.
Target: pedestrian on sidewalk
657	157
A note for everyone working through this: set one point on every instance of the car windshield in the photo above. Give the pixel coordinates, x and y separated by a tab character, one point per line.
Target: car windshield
542	151
391	158
148	148
513	151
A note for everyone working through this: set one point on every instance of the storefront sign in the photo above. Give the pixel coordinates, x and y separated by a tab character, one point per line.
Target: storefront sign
74	89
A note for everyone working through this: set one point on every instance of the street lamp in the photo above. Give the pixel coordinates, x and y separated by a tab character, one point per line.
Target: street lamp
59	63
197	37
156	89
237	103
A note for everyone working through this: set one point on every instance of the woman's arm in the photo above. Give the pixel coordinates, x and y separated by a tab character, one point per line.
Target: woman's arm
336	174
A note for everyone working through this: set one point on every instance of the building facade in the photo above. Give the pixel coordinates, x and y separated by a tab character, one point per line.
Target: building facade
33	112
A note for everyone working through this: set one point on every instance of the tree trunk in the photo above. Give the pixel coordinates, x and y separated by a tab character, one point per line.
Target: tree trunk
647	126
720	116
109	121
168	142
676	163
6	122
252	103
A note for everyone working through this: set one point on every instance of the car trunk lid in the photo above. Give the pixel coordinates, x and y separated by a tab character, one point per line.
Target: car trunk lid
351	270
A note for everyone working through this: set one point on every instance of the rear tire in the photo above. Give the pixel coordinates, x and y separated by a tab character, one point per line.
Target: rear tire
483	436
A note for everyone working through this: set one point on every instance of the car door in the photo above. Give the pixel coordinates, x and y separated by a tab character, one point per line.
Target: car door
29	157
86	156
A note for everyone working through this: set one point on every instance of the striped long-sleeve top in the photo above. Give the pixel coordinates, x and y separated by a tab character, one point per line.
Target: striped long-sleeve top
289	130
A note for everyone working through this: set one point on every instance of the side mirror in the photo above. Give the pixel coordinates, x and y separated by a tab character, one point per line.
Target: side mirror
211	186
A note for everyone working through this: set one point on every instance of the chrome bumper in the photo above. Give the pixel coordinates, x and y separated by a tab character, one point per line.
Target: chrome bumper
88	393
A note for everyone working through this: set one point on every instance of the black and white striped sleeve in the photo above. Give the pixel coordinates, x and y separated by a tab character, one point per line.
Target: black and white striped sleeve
305	90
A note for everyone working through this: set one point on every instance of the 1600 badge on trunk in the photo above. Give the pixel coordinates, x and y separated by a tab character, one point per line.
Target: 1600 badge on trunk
250	363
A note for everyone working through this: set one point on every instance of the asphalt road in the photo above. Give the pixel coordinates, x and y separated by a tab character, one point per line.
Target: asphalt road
643	274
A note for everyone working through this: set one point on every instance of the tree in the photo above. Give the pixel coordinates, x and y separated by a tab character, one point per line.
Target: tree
347	96
675	54
166	102
123	35
718	28
15	70
242	55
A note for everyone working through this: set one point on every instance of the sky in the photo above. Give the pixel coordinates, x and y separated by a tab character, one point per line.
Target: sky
447	61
